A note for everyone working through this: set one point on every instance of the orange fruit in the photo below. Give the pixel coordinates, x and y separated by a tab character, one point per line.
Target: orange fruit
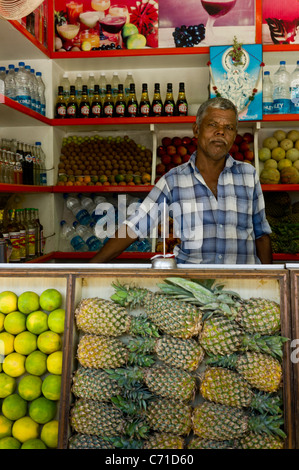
87	179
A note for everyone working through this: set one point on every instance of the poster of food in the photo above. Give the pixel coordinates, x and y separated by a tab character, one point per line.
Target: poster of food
195	23
85	25
236	74
280	22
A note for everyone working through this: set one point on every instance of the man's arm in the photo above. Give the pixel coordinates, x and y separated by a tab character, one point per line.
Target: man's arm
123	238
264	249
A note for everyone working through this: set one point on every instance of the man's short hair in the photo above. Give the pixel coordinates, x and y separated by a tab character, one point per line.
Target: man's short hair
219	103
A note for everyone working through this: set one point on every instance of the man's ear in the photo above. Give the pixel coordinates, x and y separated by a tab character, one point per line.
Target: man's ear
195	129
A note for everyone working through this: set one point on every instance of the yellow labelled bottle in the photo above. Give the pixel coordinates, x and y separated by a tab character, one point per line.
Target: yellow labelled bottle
72	105
132	108
120	104
96	105
181	107
144	105
84	109
31	233
60	108
22	239
14	237
157	105
108	108
169	105
3	225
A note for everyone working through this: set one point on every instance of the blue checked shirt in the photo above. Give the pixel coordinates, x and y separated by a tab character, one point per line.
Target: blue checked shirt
212	231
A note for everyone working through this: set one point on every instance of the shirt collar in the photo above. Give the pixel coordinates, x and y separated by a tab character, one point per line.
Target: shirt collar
229	162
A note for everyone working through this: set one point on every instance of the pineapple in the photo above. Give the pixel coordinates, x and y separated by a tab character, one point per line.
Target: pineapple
254	440
227	387
164	441
261	371
174	317
94	384
170	416
221	422
101	352
259	316
107	318
85	441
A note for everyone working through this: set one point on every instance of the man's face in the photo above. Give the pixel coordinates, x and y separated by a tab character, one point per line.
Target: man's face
216	133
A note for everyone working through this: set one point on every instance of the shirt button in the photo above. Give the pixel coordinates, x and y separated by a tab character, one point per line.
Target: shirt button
220	225
220	256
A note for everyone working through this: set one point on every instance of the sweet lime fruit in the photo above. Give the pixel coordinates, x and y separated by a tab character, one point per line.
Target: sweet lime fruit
36	363
37	322
54	363
49	434
42	410
14	364
14	407
9	442
128	30
48	342
30	387
7	385
25	428
6	343
15	322
25	343
8	302
2	318
51	387
56	320
136	41
33	444
50	299
5	426
28	302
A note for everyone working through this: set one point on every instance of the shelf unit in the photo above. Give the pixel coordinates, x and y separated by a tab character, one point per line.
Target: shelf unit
158	64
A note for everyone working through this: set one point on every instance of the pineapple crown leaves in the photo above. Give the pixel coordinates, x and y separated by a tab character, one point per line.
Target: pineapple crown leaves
267	403
142	326
121	442
268	344
264	423
127	296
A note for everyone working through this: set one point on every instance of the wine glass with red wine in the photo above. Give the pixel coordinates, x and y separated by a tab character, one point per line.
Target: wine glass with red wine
215	9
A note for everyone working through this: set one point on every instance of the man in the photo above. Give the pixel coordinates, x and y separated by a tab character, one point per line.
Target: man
216	202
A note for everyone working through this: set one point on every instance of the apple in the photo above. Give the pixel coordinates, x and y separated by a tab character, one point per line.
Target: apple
194	140
176	159
160	169
170	166
165	159
244	146
191	148
161	151
248	137
186	140
186	158
170	149
239	156
234	148
238	139
249	155
176	141
166	141
182	150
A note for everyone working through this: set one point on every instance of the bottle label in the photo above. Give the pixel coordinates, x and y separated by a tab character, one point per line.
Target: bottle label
294	108
267	107
83	217
15	242
183	109
108	110
92	240
169	108
31	242
96	110
22	242
281	106
71	110
61	110
24	100
77	242
43	109
132	109
145	109
157	108
120	110
85	110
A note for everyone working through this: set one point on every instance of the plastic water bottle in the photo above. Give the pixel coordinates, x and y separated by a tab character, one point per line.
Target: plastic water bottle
34	96
69	235
41	93
42	164
294	88
106	225
129	79
90	86
2	80
81	214
10	82
281	90
78	87
88	204
23	86
31	85
65	83
114	86
102	86
267	94
86	233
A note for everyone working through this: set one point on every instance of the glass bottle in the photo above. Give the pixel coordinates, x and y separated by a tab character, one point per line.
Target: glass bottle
157	105
41	241
120	104
96	105
14	236
22	238
24	222
108	108
129	79
102	86
84	108
181	107
144	105
60	108
29	165
114	86
72	105
132	107
3	226
31	233
169	105
78	88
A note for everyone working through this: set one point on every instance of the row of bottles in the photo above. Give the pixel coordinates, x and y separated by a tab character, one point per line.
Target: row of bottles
120	106
282	95
23	230
22	163
24	85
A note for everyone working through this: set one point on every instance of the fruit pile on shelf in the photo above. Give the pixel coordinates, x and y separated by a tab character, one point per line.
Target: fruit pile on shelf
242	148
174	151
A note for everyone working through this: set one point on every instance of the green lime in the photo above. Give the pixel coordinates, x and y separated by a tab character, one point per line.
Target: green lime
15	323
25	428
5	426
14	407
8	302
9	443
51	387
14	364
36	363
30	387
50	299
28	302
56	320
48	342
34	444
25	343
6	343
37	322
49	434
2	318
42	410
128	29
7	385
54	362
136	41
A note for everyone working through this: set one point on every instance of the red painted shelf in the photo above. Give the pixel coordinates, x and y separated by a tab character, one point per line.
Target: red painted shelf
122	121
24	188
280	187
23	109
280	117
29	36
102	189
